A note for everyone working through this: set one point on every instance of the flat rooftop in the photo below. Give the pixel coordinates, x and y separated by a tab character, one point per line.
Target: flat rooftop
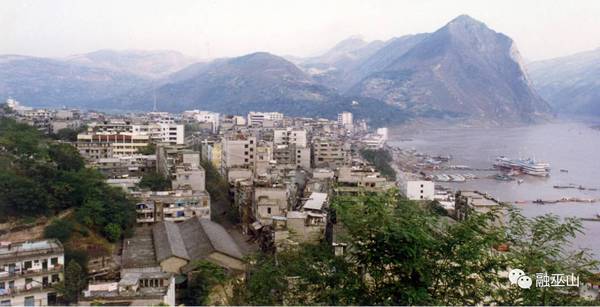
28	248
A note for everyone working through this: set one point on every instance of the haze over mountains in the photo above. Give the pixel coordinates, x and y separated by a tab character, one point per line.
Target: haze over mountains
464	69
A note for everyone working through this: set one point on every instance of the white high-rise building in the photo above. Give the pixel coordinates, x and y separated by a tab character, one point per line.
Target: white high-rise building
345	119
258	118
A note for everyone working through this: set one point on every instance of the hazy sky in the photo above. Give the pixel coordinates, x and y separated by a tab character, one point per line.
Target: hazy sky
209	29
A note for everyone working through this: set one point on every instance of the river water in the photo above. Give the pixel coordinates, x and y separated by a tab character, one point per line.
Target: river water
572	146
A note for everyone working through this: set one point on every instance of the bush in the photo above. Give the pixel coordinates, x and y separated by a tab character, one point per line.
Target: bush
112	232
59	229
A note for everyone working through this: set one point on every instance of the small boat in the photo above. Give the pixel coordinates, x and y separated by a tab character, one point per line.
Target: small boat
520	181
562	170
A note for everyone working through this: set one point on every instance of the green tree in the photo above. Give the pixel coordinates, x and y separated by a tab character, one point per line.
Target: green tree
66	134
74	282
202	280
112	232
381	159
402	253
155	182
60	229
148	150
66	157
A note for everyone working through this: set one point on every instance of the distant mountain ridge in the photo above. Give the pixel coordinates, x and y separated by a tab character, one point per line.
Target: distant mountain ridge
463	69
571	84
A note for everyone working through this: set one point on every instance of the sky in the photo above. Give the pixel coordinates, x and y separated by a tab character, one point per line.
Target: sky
225	28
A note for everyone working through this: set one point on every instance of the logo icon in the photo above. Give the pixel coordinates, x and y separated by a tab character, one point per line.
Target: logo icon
518	277
524	282
514	275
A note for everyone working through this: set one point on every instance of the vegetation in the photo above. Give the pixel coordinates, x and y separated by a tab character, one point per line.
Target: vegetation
74	282
68	134
201	282
155	182
60	229
148	150
41	177
218	188
381	159
401	253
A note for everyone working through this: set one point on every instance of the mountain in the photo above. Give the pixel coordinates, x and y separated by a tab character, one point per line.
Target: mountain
571	84
465	69
49	82
332	67
255	82
258	81
146	64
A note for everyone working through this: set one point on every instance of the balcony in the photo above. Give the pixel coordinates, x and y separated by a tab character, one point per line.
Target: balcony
27	289
30	272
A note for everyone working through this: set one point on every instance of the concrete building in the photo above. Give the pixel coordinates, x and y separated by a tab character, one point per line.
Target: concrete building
29	271
346	120
260	118
238	151
419	189
134	289
177	246
269	202
329	152
289	136
359	179
467	202
173	206
205	117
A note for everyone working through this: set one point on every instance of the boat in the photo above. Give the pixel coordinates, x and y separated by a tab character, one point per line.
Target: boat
457	178
564	170
520	181
527	166
503	177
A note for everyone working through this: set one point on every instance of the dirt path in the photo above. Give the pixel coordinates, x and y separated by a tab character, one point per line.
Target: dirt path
32	233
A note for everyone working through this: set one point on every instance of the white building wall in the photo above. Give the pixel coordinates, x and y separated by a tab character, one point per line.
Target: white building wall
419	190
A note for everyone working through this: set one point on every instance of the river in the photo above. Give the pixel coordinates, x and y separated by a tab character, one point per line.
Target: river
567	145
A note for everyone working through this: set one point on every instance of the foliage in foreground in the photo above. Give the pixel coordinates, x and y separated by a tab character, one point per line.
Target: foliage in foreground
401	253
40	177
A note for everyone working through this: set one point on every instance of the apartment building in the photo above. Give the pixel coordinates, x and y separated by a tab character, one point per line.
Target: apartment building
358	179
262	118
289	136
28	272
328	151
174	206
204	117
238	151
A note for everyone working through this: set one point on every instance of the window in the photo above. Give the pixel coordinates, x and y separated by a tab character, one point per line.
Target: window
27	265
246	146
5	303
55	278
421	185
269	210
29	301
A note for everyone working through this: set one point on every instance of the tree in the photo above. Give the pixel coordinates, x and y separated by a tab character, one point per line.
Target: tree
402	253
74	282
148	150
202	280
112	232
66	157
66	134
155	182
60	229
381	159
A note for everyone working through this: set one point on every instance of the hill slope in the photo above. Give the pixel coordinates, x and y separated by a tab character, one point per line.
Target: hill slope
571	84
463	68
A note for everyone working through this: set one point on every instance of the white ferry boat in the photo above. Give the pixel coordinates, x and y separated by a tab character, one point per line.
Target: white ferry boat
527	166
